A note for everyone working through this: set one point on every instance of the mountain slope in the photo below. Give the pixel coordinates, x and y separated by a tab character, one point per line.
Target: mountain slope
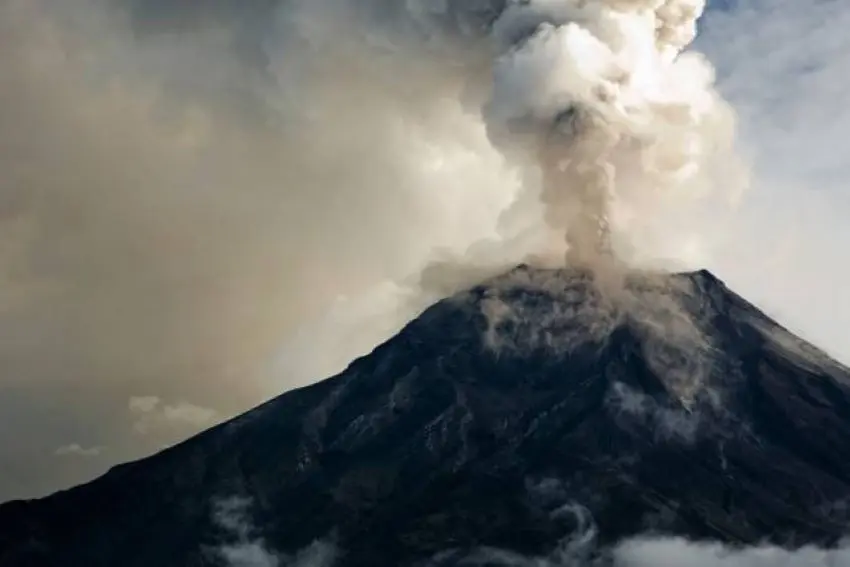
666	403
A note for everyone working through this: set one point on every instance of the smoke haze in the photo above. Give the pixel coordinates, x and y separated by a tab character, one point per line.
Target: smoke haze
176	204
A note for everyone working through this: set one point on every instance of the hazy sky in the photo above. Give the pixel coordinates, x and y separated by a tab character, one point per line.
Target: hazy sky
782	64
201	208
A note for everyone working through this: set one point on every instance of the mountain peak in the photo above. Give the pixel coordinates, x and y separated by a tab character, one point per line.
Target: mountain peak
646	401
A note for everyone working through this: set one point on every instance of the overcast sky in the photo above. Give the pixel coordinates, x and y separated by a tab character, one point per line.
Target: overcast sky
168	258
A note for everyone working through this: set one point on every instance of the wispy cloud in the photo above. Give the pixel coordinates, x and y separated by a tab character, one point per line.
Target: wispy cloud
786	67
676	552
245	547
77	450
152	414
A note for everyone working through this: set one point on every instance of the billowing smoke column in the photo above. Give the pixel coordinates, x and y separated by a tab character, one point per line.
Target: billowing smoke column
602	96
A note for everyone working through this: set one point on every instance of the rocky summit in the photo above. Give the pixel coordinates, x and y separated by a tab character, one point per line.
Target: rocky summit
535	408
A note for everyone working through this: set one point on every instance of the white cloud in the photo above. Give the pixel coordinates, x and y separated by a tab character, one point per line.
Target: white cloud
152	414
77	450
677	552
653	551
244	548
143	404
190	414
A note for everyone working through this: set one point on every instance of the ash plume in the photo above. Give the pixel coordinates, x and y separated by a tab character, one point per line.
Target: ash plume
606	99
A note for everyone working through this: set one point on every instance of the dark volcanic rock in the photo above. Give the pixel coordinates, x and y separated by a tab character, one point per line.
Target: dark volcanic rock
668	404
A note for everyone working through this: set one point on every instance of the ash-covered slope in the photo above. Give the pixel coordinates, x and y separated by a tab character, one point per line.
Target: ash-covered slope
667	404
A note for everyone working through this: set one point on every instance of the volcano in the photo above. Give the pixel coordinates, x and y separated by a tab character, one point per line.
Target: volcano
539	404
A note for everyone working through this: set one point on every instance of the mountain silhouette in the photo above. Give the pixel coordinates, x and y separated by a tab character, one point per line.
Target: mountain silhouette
508	416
